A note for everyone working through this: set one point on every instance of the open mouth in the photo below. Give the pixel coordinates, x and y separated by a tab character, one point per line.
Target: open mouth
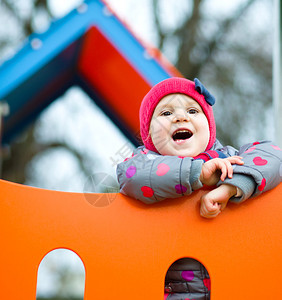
181	135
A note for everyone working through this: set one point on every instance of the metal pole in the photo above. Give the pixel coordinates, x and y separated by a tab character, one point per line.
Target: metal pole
4	111
277	72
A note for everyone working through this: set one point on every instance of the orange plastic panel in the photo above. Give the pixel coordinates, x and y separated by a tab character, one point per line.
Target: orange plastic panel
127	246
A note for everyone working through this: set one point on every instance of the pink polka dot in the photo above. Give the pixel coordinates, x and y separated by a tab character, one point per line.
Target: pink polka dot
256	143
130	171
179	188
147	191
250	149
207	283
162	169
262	185
188	275
258	161
275	147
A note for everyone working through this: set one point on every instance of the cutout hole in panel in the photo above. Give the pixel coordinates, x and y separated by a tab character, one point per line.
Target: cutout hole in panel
187	278
61	275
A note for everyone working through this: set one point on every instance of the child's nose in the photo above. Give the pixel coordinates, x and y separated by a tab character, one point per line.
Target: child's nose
181	116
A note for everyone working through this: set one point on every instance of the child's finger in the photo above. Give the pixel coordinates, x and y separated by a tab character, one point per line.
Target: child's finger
230	170
208	214
228	164
222	205
235	160
224	171
209	209
237	156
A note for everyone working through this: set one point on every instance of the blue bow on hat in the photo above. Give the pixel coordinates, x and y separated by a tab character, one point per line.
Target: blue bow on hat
203	91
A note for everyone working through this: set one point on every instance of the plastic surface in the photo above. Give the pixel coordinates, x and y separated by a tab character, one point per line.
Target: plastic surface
110	74
127	246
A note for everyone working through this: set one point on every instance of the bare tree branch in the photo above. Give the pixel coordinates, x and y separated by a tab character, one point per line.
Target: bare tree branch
225	27
82	159
160	33
188	36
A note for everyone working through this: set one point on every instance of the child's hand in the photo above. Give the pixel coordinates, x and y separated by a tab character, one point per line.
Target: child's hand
218	168
215	201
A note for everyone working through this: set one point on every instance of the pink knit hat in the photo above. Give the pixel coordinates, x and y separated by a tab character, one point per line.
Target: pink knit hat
195	90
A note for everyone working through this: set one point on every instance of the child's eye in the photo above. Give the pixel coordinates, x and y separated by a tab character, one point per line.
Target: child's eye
192	111
166	113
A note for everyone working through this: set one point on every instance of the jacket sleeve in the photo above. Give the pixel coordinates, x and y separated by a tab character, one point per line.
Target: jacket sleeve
150	177
262	169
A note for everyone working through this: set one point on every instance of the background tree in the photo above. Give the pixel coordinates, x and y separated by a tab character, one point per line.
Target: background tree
233	56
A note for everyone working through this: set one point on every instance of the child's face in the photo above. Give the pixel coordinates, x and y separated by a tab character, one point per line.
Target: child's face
179	126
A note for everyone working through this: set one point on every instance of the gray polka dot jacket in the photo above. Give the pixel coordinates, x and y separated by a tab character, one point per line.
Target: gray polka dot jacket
151	177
